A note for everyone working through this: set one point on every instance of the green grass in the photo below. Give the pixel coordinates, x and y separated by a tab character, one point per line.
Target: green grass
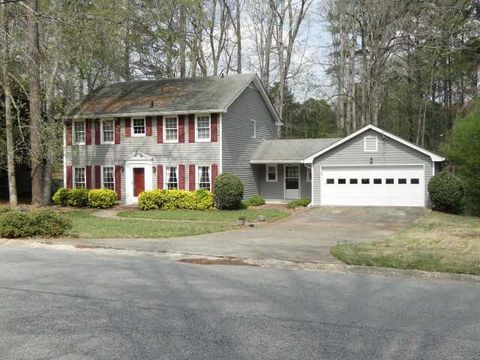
87	226
205	215
436	242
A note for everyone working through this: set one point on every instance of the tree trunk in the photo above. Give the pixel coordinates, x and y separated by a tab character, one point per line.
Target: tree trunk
238	29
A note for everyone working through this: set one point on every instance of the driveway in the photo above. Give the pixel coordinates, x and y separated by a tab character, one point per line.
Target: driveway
305	236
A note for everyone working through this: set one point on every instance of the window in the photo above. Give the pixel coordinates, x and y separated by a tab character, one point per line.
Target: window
204	177
254	129
202	124
79	132
342	181
79	178
370	143
108	179
402	181
415	181
171	178
107	132
388	181
330	181
309	174
377	181
271	173
138	127
365	181
171	129
353	181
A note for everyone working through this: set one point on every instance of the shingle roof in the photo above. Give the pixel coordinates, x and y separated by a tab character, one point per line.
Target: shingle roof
167	95
289	150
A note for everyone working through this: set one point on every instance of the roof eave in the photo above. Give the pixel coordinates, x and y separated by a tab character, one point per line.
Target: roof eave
142	113
284	161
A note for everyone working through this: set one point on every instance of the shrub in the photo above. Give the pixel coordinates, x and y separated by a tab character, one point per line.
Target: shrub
61	197
102	198
228	191
298	203
255	200
39	222
175	199
446	192
78	197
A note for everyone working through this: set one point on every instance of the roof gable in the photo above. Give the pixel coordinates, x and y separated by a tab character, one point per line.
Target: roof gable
433	156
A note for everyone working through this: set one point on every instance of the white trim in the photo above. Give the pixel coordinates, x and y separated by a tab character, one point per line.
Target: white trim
209	139
164	118
254	132
197	178
74	176
285	181
64	155
101	131
132	132
165	185
74	138
365	143
101	176
147	164
145	113
266	173
220	142
433	157
299	161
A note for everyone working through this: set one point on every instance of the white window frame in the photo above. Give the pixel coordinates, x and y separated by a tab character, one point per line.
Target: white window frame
165	177
276	172
102	141
309	174
101	176
75	177
165	129
144	126
84	132
365	143
209	139
197	177
254	128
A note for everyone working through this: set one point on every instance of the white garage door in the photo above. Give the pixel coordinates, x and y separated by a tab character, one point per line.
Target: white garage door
373	186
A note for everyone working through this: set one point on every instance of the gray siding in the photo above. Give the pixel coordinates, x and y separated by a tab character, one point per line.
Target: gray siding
352	153
204	153
275	190
238	146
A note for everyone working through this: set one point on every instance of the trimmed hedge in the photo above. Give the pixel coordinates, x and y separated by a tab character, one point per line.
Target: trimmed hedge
228	191
96	198
175	199
298	203
446	192
38	222
102	198
255	200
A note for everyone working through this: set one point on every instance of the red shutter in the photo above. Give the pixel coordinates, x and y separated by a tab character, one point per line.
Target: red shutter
214	127
97	132
159	129
69	134
191	177
214	175
69	177
88	176
98	177
181	129
117	131
159	177
181	177
88	130
148	124
118	181
191	128
128	127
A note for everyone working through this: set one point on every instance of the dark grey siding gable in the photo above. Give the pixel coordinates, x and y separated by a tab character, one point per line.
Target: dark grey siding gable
238	145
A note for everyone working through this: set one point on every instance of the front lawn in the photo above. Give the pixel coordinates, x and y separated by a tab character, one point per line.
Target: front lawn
206	215
85	225
435	242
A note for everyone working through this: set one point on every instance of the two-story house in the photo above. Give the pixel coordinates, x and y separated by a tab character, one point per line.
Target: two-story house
181	133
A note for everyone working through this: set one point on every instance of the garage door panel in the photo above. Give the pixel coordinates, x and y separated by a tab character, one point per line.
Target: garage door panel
373	186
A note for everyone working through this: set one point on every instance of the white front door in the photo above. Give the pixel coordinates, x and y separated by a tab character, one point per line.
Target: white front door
292	182
392	185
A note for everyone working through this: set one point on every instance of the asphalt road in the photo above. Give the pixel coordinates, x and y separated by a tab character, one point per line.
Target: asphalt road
63	304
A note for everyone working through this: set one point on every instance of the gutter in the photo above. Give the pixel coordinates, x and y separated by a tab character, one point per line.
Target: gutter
143	113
